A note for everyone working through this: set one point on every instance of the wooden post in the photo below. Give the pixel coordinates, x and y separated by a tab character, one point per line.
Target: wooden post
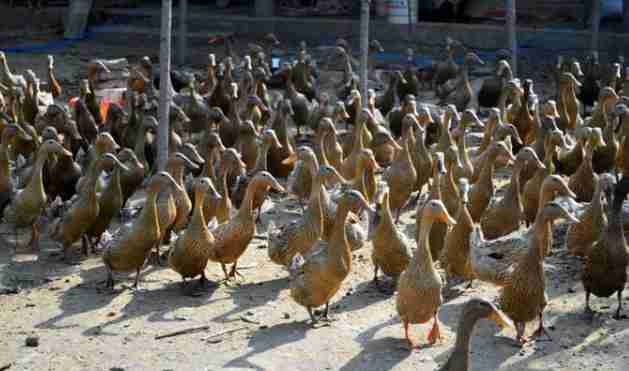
625	15
596	22
182	49
364	49
511	34
164	86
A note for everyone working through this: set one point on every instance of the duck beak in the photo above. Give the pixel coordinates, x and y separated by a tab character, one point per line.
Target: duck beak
277	143
365	205
277	186
290	159
478	123
570	218
188	163
445	218
213	194
500	318
565	191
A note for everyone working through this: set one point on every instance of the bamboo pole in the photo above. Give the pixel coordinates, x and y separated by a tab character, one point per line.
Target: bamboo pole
364	49
596	22
511	34
182	32
164	85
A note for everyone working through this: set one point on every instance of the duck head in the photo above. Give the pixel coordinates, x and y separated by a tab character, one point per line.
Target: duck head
436	210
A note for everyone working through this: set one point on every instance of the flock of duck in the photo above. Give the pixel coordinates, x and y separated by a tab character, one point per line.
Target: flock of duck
230	142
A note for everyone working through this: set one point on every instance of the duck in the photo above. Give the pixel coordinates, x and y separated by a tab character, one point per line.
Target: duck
592	222
300	181
583	181
460	91
386	101
448	69
81	214
437	233
568	159
269	140
109	201
7	187
622	162
132	175
277	155
401	177
174	204
449	188
411	82
349	165
492	87
365	180
606	154
455	257
483	189
299	236
7	78
189	255
419	286
506	133
247	144
607	99
408	105
568	104
317	277
450	116
299	102
605	268
233	237
591	80
28	204
131	243
231	164
524	120
329	146
391	248
422	160
507	214
524	298
493	260
104	143
473	310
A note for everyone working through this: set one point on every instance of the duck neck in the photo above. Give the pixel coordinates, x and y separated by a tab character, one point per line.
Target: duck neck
5	168
513	191
36	185
445	140
140	143
462	149
176	171
543	234
490	127
246	209
323	149
198	218
460	358
261	161
149	218
487	173
435	187
423	257
339	249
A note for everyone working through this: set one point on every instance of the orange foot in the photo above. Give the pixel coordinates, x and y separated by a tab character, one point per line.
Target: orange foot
435	333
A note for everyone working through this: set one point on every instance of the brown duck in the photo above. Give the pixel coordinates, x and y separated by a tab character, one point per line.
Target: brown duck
131	244
419	287
317	277
233	237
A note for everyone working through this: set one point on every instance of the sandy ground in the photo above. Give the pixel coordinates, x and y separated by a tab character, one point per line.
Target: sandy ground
253	323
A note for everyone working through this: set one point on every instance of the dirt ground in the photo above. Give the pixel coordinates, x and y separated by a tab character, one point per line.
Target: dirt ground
253	323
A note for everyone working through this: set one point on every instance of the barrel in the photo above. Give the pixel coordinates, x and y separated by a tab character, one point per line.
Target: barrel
398	11
382	8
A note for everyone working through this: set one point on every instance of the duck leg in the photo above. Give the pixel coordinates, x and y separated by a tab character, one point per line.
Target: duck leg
520	338
109	284
227	276
411	343
326	313
541	330
84	249
137	279
33	244
617	315
312	316
234	272
435	332
588	313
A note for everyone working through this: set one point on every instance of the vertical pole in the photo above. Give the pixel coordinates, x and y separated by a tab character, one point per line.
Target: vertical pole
596	22
625	15
364	49
164	86
511	32
183	32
